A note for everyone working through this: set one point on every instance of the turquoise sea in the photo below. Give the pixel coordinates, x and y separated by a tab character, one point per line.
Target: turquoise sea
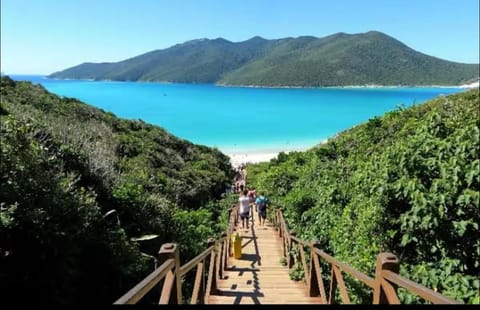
237	119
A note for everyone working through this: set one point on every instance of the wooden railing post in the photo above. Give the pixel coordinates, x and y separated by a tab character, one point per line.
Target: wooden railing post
221	254
229	217
333	286
226	252
312	282
213	285
232	223
235	215
167	251
280	231
385	261
275	219
291	258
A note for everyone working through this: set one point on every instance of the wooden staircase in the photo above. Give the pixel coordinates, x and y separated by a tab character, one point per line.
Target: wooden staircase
258	277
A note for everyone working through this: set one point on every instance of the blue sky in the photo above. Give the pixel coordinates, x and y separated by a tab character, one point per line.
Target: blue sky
43	36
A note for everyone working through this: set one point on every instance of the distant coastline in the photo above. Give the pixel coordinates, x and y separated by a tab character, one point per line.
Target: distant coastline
366	86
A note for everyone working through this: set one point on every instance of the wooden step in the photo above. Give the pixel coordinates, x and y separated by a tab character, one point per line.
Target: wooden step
255	299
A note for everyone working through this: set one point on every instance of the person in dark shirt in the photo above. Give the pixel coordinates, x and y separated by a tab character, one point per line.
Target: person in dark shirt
262	204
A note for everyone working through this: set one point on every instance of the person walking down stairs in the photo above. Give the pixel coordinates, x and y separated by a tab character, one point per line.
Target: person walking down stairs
262	204
244	208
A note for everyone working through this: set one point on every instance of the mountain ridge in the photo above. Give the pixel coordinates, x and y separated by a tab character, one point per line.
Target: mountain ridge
340	59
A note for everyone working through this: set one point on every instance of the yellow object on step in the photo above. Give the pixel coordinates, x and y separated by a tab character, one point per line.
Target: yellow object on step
237	245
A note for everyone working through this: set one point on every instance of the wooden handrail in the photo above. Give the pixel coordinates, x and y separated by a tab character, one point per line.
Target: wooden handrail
384	284
171	272
194	261
344	267
418	289
142	288
297	240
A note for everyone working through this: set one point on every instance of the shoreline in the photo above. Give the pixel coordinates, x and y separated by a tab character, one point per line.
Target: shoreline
365	86
257	155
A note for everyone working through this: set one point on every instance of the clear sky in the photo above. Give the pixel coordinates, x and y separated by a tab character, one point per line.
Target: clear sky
43	36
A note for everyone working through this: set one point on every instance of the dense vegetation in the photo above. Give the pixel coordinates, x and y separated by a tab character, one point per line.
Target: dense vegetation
407	183
337	60
65	166
196	61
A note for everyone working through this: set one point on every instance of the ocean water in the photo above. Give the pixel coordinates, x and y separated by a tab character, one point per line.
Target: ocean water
238	119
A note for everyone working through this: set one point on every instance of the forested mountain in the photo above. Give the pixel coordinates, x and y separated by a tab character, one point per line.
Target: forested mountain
196	61
336	60
78	186
406	183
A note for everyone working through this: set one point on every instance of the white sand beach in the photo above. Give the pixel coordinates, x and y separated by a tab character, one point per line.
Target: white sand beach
471	85
244	156
250	157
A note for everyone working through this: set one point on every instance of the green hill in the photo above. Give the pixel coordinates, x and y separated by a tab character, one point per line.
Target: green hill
69	171
342	59
337	60
196	61
406	183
